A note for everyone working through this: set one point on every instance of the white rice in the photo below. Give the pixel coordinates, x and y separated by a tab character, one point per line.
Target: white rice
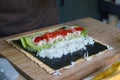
65	47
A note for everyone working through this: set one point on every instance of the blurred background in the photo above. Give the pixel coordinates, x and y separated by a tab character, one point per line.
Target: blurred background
17	16
107	11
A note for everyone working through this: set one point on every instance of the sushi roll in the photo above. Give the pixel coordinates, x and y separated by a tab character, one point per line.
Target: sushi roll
61	47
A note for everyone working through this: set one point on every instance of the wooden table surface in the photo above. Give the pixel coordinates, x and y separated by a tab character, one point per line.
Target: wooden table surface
98	30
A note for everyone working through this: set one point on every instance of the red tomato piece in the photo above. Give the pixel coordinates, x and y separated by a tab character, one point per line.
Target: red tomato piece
61	32
37	39
64	33
47	36
79	28
69	31
55	34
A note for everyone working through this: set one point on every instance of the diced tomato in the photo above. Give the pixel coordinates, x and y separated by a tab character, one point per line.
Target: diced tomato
61	32
47	36
69	31
56	33
37	39
79	28
64	33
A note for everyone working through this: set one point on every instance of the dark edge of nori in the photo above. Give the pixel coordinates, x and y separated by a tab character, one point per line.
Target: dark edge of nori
65	60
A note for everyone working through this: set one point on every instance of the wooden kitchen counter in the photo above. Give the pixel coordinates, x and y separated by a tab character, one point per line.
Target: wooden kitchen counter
98	30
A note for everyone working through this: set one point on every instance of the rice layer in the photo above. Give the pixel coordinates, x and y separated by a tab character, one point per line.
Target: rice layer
66	47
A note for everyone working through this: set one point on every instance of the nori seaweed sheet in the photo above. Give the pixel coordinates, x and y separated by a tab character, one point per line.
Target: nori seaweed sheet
57	63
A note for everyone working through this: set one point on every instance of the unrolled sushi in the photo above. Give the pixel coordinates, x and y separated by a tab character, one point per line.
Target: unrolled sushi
60	47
